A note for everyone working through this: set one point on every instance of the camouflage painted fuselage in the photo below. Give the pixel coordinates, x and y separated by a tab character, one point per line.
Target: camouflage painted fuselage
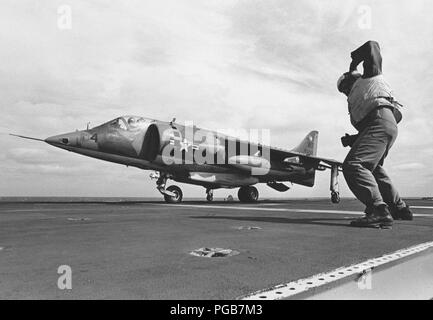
189	154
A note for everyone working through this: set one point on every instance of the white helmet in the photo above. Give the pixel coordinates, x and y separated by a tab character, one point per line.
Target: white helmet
347	79
340	80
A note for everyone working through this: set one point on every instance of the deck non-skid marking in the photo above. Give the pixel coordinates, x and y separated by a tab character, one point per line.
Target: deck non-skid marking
286	290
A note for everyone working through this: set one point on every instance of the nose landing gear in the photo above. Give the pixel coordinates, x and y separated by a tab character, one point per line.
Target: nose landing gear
172	194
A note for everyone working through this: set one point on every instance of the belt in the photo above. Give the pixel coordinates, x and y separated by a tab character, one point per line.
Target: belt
371	116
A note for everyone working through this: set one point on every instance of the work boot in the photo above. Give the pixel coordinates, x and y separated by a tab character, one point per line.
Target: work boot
379	218
402	213
368	210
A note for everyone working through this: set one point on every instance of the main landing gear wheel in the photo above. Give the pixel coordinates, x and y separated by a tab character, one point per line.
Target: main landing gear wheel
176	198
209	195
248	194
335	197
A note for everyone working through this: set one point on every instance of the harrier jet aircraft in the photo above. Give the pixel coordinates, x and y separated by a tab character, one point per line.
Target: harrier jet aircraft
192	155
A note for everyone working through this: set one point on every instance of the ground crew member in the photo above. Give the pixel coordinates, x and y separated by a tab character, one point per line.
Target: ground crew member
375	114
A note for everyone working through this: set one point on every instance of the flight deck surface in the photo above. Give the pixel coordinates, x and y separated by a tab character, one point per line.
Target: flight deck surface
135	249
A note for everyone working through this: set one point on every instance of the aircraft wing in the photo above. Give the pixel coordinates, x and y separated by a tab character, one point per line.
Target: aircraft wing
304	155
324	162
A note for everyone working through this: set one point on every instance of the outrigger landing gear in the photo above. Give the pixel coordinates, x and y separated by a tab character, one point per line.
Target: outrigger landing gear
335	197
335	193
248	194
209	194
172	194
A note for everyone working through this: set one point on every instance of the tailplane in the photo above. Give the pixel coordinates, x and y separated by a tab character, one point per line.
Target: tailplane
308	146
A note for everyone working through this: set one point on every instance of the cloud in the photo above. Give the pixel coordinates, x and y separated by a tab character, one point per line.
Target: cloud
409	166
29	155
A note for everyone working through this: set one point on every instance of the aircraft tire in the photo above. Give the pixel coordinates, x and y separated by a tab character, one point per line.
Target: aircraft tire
177	198
248	194
335	197
209	197
241	195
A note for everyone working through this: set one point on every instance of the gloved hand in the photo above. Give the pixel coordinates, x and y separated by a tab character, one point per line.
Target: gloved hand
349	140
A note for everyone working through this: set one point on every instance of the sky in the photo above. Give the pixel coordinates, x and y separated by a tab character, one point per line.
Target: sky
223	64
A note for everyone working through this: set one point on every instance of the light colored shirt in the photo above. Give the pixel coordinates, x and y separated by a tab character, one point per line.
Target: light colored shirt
366	95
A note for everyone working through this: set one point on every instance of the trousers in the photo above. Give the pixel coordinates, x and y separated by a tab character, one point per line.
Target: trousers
363	167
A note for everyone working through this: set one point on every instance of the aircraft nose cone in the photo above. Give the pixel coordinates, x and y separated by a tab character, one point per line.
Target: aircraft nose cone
50	140
60	139
68	139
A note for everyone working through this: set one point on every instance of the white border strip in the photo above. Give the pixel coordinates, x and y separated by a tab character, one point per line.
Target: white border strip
295	287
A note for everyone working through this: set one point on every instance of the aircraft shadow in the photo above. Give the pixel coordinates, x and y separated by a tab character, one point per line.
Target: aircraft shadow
310	221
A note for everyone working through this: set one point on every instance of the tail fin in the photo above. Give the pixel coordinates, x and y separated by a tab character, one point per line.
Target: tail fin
308	146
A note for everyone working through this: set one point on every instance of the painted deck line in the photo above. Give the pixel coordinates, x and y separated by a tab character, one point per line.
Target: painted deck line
263	209
247	208
286	290
41	209
276	209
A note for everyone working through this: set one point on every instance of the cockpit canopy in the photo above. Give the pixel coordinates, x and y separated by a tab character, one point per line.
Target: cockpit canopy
130	123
